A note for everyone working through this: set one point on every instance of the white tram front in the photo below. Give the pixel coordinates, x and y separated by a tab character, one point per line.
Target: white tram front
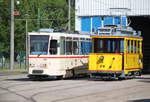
58	55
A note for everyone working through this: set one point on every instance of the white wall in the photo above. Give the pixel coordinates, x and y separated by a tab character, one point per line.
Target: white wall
77	23
104	7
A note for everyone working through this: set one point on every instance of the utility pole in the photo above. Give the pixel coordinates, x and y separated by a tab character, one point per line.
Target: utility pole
26	64
12	37
69	12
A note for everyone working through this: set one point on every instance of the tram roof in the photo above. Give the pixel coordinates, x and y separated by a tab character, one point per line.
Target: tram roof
117	36
59	34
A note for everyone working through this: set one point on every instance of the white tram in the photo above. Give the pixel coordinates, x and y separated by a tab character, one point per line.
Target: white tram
58	55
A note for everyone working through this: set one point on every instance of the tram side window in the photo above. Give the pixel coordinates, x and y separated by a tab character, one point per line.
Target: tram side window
75	48
69	46
90	46
53	47
86	46
138	46
108	45
62	45
118	46
128	46
115	46
98	46
82	46
132	46
122	46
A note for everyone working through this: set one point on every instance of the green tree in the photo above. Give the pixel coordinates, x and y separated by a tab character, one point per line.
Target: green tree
51	14
4	26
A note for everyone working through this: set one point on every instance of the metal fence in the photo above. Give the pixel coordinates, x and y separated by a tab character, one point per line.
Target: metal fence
19	63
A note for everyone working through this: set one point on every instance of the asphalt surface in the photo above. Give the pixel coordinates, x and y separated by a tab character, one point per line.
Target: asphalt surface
13	72
18	88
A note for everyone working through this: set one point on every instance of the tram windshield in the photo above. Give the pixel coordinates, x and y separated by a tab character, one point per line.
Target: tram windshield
39	44
108	45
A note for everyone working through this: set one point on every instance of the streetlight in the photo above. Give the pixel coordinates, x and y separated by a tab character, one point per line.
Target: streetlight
18	2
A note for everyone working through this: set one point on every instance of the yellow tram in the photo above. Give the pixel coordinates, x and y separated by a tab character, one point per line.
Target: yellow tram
116	53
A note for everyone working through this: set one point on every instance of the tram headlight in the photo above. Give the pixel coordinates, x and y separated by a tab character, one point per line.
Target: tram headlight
31	65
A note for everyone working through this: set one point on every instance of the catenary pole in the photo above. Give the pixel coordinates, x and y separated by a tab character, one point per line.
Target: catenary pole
69	12
26	43
12	37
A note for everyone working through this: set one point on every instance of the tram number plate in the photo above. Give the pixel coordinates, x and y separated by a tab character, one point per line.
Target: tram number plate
37	71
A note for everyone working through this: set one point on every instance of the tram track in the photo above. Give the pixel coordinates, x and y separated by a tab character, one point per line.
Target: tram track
47	86
81	86
99	93
32	90
125	94
9	88
60	88
26	98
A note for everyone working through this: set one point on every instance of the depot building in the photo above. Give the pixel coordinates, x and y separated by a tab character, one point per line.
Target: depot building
92	14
